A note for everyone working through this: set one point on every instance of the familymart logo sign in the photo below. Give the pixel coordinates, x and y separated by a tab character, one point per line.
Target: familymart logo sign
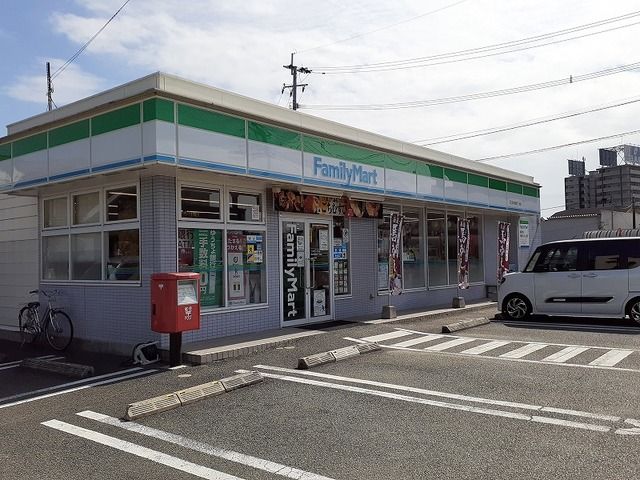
344	173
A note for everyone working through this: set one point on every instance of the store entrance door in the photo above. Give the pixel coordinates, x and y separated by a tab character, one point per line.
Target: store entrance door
306	270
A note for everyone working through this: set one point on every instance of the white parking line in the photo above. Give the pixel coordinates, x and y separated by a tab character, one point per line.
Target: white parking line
17	363
524	350
109	378
417	341
139	451
612	358
387	336
450	344
565	354
254	462
487	347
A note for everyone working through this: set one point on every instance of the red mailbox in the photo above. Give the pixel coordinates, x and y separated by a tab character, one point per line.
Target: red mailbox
175	305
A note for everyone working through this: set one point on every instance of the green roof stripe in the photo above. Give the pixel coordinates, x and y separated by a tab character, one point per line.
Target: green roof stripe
274	136
427	170
514	188
531	191
497	185
30	144
115	120
455	175
329	148
69	133
401	164
5	151
478	180
157	109
212	121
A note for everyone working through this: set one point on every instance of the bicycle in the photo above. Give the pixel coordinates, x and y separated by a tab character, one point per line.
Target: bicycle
55	323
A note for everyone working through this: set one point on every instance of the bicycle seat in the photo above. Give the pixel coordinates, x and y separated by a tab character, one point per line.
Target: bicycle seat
33	304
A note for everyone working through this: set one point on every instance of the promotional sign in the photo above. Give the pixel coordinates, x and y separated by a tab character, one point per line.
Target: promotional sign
503	249
235	278
395	262
207	260
523	233
294	202
463	253
293	271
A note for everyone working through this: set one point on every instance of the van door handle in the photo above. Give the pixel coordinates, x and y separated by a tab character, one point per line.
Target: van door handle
590	275
574	275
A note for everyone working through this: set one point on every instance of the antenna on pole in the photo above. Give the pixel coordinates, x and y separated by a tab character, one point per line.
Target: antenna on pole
294	86
49	88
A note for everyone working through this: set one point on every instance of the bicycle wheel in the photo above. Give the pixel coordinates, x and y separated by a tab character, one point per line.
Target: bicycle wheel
28	322
59	331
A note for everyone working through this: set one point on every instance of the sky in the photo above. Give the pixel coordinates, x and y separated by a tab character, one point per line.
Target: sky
242	47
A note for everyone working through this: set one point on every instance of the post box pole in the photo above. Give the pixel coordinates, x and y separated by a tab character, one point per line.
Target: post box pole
175	349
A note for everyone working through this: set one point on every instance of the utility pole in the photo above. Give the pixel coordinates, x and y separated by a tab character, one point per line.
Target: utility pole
294	86
49	88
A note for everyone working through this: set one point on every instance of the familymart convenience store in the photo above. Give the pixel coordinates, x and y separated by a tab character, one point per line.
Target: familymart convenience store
284	215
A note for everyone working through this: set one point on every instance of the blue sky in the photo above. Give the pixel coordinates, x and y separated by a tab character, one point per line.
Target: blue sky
241	47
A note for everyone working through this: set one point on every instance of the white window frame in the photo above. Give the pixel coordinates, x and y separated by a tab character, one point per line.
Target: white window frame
227	209
206	186
105	206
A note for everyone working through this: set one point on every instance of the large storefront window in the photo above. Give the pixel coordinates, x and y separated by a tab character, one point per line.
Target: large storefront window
452	247
341	274
436	245
93	247
246	268
476	270
200	250
412	248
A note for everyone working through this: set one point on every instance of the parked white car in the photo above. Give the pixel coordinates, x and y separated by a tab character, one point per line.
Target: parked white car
587	278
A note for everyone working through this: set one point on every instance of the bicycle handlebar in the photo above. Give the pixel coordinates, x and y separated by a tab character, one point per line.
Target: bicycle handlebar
48	294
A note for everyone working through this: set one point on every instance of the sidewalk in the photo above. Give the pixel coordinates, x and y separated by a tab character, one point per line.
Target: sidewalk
208	351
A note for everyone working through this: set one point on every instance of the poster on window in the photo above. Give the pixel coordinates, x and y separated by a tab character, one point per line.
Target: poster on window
235	278
395	260
463	253
503	249
207	260
295	202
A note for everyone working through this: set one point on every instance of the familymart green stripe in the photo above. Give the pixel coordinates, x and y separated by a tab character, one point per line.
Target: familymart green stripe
212	121
531	191
427	170
478	180
455	175
333	149
497	184
274	136
157	109
30	144
514	188
402	164
115	120
69	133
5	151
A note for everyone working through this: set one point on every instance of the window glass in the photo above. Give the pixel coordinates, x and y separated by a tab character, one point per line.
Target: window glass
86	256
341	273
86	208
122	204
534	259
452	247
562	258
200	250
55	212
412	249
123	255
605	256
200	203
55	257
246	267
476	271
383	247
245	207
436	248
632	251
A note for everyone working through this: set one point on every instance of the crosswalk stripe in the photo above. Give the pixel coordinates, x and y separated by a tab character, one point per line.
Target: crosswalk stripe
486	347
524	351
416	341
450	344
565	354
611	358
386	336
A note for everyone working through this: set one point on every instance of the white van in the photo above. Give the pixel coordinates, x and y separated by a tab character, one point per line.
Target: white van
597	277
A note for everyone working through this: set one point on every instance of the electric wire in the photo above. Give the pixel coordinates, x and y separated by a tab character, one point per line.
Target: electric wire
63	67
476	96
431	60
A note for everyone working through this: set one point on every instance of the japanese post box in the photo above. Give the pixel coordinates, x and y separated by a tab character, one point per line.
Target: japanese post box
175	305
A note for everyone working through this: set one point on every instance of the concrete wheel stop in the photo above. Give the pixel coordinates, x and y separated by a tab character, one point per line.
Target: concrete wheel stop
464	324
333	356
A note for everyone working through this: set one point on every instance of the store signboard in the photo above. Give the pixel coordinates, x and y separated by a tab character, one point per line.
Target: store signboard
330	171
295	202
523	233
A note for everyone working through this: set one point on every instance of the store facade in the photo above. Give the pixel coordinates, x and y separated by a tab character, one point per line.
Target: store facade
284	215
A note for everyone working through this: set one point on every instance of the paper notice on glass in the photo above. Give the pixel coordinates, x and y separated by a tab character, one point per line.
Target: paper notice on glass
319	303
255	212
323	240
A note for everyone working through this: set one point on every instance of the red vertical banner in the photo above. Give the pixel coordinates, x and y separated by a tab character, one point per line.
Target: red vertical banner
503	249
463	253
395	260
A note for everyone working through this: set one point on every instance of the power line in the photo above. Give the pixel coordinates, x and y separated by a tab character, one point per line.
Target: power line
452	57
555	147
526	123
476	96
358	35
87	43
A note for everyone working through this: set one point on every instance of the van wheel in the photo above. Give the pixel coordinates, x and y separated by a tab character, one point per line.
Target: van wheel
517	307
634	310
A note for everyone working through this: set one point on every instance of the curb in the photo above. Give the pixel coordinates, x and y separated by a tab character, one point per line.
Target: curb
430	315
305	363
190	395
464	324
63	368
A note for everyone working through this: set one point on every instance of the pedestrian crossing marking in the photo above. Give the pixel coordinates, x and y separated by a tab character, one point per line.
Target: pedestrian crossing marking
565	354
386	336
486	347
611	358
416	341
450	344
524	351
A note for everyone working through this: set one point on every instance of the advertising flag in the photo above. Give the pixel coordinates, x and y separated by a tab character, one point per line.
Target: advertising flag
395	262
463	253
503	249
